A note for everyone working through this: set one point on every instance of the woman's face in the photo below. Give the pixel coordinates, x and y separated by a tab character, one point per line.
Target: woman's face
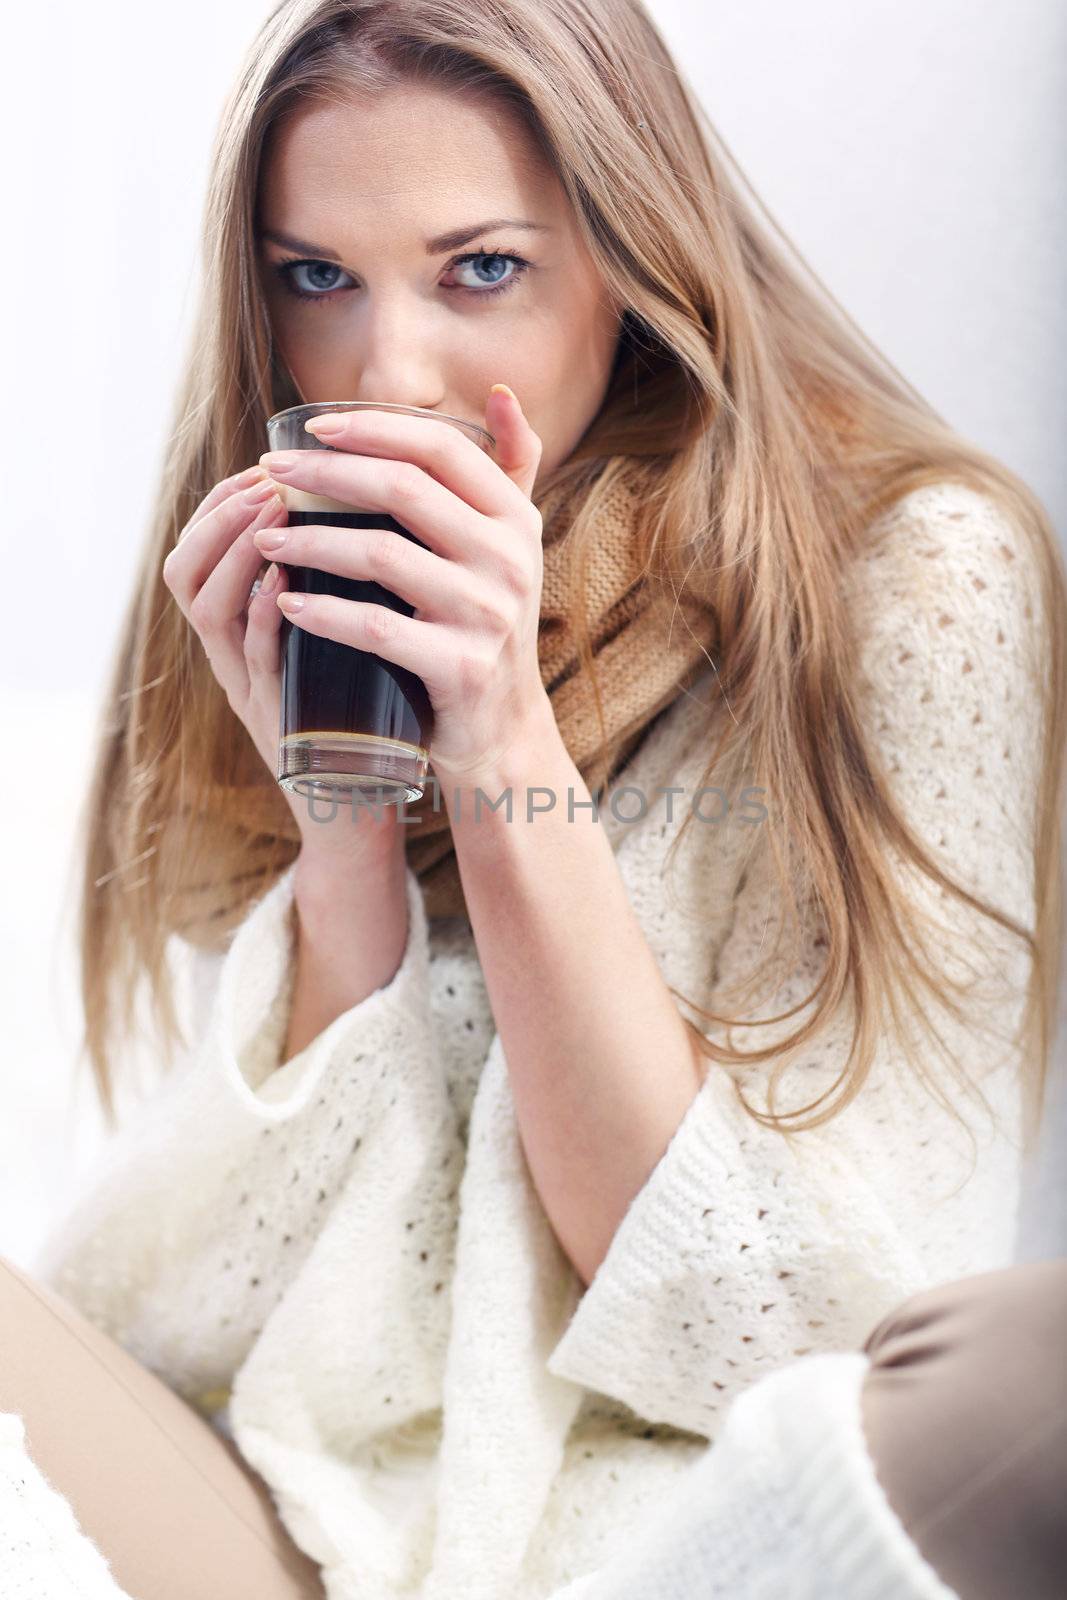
366	193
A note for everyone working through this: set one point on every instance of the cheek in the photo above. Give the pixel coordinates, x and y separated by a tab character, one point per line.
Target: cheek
318	363
571	384
304	334
580	345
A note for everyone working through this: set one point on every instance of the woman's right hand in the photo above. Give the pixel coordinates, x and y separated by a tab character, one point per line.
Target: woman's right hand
210	573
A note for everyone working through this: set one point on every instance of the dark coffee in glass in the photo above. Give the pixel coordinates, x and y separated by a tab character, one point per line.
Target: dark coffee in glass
350	721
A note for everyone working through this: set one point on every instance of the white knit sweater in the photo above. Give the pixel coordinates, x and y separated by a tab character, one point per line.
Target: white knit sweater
344	1260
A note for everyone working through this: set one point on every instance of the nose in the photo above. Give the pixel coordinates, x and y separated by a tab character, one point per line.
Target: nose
394	357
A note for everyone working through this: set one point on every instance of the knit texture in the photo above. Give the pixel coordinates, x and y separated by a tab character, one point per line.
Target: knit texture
786	1504
350	1247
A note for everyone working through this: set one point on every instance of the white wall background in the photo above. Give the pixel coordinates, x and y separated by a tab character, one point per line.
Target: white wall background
910	149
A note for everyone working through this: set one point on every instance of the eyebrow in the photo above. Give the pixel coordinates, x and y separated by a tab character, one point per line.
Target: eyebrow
444	241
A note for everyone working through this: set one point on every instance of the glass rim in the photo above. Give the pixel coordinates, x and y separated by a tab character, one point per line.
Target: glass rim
316	407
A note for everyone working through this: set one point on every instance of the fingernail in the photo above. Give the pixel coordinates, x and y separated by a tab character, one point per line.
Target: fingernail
269	538
502	388
291	602
259	491
320	425
278	466
266	583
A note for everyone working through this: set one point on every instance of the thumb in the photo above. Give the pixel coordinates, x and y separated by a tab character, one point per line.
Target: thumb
518	448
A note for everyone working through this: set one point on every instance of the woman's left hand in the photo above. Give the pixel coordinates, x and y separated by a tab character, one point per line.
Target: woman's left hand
477	588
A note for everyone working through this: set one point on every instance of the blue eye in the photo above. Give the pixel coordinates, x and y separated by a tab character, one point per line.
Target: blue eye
316	270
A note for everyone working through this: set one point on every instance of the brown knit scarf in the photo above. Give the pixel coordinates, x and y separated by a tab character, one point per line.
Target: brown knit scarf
647	650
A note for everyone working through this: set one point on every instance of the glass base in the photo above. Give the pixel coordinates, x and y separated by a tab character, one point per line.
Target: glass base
328	765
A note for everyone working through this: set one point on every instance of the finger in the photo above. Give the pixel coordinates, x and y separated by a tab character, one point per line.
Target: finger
262	645
231	485
224	594
518	448
191	562
406	641
421	504
218	610
441	590
444	452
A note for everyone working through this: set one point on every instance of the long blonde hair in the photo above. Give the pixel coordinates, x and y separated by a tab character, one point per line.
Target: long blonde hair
769	434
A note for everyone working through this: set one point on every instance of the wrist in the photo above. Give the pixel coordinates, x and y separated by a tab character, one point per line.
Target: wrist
532	751
355	842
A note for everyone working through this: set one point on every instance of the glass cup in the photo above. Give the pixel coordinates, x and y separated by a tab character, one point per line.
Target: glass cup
350	721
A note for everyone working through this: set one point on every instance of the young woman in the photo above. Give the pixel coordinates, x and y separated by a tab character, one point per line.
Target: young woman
614	1195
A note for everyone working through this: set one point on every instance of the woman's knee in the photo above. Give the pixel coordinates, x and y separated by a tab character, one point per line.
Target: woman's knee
965	1411
169	1501
23	1303
1027	1301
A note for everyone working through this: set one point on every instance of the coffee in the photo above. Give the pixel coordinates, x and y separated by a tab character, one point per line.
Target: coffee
349	706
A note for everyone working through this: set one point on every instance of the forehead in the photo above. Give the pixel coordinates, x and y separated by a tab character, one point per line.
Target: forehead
379	155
